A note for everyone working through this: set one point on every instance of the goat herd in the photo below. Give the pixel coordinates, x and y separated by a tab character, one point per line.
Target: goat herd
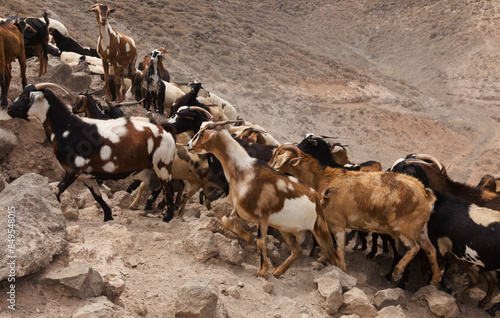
295	188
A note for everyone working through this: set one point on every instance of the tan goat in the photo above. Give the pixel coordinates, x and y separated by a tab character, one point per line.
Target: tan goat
380	202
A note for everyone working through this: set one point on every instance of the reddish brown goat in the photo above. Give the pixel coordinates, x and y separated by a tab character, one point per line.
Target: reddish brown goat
381	202
11	47
116	49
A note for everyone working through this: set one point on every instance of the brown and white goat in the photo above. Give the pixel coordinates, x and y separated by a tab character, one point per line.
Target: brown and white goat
266	197
11	47
116	49
380	202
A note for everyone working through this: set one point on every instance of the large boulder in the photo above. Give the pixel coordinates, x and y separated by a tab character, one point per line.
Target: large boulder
32	215
80	280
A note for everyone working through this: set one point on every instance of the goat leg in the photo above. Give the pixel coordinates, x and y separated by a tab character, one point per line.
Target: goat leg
96	193
68	179
261	246
296	251
168	194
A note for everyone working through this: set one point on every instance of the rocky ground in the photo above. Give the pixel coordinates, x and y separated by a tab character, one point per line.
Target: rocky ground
386	78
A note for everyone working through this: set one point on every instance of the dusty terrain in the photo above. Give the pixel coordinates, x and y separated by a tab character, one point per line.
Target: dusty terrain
385	78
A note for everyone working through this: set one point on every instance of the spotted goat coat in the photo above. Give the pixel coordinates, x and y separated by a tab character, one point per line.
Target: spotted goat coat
92	149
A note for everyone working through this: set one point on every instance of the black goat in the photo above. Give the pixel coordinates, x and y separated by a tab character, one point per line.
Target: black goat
67	44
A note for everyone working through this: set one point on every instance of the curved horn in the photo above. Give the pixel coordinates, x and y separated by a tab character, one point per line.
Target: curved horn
325	137
295	161
212	125
39	86
206	112
292	147
417	161
92	8
430	158
126	103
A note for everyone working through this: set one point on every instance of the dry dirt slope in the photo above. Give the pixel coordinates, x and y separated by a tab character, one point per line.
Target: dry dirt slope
387	78
347	68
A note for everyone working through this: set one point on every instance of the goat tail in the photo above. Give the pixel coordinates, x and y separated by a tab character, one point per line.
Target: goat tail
46	18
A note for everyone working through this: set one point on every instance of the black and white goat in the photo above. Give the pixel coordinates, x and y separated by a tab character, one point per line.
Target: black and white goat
153	88
91	149
465	222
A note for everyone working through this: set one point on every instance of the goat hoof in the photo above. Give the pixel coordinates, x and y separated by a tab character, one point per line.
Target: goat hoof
322	259
277	273
261	274
370	256
396	277
108	219
167	218
388	276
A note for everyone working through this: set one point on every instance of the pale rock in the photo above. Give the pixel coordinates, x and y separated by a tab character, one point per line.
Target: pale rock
391	312
350	316
330	290
221	311
229	250
3	183
197	299
134	261
272	251
102	253
137	307
80	280
201	244
102	308
355	301
440	303
69	207
346	280
113	287
40	226
121	237
75	234
122	199
268	287
7	141
388	297
234	292
158	237
211	224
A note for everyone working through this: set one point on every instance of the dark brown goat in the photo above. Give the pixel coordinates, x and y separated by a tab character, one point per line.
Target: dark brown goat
438	179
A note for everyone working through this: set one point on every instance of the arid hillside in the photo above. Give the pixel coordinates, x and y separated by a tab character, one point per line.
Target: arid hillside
386	78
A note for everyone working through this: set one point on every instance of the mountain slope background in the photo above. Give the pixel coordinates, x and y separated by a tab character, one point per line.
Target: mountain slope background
386	78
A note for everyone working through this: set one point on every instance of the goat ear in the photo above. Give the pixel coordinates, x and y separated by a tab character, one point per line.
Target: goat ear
36	95
111	11
205	137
